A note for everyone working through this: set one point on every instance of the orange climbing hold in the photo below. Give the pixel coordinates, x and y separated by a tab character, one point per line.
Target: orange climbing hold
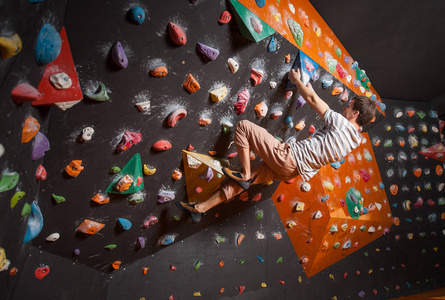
410	113
212	153
90	227
240	239
30	129
159	71
244	196
257	197
144	270
116	265
74	168
337	91
394	189
175	115
221	264
439	170
176	175
98	198
418	172
124	183
204	121
191	84
287	57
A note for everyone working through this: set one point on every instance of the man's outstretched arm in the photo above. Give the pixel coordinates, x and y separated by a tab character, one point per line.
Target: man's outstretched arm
308	93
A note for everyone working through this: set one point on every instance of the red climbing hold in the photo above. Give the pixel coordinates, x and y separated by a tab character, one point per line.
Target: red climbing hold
232	155
41	272
176	33
241	289
172	267
174	116
241	103
24	92
128	139
41	173
225	17
190	148
257	197
280	197
162	145
256	76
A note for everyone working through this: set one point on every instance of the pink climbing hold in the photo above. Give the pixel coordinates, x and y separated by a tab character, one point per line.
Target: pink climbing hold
128	140
256	76
365	175
151	221
174	116
241	103
24	92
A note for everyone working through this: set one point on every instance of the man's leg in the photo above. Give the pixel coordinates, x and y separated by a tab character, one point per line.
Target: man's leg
217	198
244	158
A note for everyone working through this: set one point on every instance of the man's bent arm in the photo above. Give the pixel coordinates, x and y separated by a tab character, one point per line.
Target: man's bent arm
308	93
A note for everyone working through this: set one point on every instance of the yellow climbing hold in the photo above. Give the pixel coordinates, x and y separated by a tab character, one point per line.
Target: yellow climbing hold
277	16
328	185
299	279
317	32
197	294
370	271
148	170
268	182
219	94
10	46
332	277
263	284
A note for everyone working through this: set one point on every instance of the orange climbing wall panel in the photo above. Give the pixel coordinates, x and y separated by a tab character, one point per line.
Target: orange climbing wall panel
320	250
276	15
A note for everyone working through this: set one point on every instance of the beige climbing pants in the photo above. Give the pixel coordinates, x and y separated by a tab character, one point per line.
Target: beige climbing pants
278	162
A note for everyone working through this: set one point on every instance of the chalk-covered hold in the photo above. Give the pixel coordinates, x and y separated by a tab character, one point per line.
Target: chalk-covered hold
53	237
305	187
143	106
118	55
233	65
207	51
99	95
87	133
60	81
261	110
272	84
219	94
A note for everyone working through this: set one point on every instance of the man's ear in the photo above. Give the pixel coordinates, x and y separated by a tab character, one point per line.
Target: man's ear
356	113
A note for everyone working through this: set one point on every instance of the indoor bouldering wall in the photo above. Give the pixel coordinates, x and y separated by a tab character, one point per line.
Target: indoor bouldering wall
143	245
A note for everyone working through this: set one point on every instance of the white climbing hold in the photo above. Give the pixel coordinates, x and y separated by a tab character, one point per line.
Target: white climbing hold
233	64
53	237
143	106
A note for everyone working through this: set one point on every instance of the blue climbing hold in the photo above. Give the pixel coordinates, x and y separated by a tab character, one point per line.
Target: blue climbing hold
382	106
48	45
124	223
342	161
137	15
288	122
260	3
272	47
381	185
354	65
35	223
336	165
326	83
399	127
166	239
408	220
394	205
373	97
260	259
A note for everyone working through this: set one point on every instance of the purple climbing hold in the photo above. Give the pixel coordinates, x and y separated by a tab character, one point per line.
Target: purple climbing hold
165	196
41	145
118	55
207	51
141	242
208	175
300	102
315	77
356	83
347	59
76	252
361	294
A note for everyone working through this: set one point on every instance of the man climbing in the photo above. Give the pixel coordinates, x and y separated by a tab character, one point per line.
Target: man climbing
284	161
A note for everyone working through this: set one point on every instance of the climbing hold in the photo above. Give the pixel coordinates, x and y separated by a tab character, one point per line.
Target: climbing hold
288	94
288	122
225	17
124	183
128	140
337	91
100	94
197	294
344	97
10	46
257	197
53	237
8	181
41	145
233	65
272	84
167	239
30	129
333	228
114	170
48	45
58	199
60	81
74	168
87	133
162	145
261	260
124	223
240	238
176	175
166	196
16	198
141	242
305	187
325	83
256	24
145	270
243	99
261	110
259	215
24	92
207	51
137	15
197	265
299	206
191	84
218	94
300	125
118	56
276	114
35	222
116	265
100	199
26	210
256	76
296	31
160	71
300	102
317	215
176	33
328	185
208	175
394	189
204	121
136	198
41	272
90	227
12	272
272	47
175	115
291	224
151	221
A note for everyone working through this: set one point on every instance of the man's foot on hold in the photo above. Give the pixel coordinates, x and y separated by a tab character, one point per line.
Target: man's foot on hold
237	177
190	209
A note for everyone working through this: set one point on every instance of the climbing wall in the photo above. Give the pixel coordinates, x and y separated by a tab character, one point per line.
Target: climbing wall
142	121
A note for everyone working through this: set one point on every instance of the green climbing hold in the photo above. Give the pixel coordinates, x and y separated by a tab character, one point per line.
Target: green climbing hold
333	228
441	201
133	169
9	181
423	251
336	245
176	218
362	228
421	115
227	126
332	64
197	265
114	170
220	239
368	156
242	261
386	288
418	282
26	210
259	215
17	196
296	31
427	280
99	95
58	199
338	52
219	175
136	198
422	234
388	143
366	253
280	259
110	246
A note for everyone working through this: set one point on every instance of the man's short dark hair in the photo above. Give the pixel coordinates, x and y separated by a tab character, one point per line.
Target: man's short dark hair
366	107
